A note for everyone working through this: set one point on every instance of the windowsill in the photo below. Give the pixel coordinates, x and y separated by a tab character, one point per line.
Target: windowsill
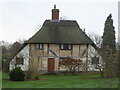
39	49
65	49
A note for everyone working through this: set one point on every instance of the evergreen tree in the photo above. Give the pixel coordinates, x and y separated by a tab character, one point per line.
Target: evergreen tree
109	34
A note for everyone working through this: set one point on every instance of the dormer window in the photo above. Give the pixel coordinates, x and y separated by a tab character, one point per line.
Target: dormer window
65	47
39	46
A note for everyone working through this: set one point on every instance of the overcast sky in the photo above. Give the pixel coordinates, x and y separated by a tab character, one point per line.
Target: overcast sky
21	19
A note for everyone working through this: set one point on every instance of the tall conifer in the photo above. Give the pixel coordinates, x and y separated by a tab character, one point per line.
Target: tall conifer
109	34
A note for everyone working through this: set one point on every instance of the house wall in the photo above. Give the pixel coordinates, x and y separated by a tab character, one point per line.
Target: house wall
54	48
92	53
40	57
76	50
23	53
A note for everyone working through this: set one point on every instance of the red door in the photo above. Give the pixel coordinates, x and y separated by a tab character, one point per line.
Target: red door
51	64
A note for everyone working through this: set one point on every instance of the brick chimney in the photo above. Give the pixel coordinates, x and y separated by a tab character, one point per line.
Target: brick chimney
55	13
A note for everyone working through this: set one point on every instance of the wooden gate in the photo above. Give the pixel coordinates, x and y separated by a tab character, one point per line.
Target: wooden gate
50	64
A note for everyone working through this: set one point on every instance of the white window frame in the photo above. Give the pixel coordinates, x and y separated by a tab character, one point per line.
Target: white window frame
63	47
39	46
69	47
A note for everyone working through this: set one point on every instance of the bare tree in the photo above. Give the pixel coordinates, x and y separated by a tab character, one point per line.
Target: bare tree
97	61
21	41
96	39
109	65
37	28
6	55
95	56
98	65
8	50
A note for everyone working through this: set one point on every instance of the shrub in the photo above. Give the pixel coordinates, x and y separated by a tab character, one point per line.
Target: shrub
32	74
71	64
17	74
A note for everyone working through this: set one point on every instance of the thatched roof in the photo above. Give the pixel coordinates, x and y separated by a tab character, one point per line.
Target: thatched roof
60	32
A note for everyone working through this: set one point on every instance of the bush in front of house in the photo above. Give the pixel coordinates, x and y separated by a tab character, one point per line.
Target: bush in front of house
32	75
17	74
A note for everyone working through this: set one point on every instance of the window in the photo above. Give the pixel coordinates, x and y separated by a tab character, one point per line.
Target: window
39	46
19	60
65	47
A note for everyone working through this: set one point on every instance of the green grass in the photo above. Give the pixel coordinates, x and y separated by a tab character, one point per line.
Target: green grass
60	81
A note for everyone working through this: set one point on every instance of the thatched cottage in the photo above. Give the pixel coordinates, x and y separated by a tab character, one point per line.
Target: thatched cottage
56	40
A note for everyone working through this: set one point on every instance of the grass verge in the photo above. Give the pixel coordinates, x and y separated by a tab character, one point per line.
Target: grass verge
60	81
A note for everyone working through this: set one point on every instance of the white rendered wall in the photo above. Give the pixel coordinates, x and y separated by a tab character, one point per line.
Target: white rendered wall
91	53
25	54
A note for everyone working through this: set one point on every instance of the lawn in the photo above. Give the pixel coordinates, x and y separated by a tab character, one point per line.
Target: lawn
60	81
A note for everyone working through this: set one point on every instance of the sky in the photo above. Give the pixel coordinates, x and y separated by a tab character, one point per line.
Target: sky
21	19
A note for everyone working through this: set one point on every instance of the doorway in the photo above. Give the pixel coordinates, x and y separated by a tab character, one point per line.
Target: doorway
50	64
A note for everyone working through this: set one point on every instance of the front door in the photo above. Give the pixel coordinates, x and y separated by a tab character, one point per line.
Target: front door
50	64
